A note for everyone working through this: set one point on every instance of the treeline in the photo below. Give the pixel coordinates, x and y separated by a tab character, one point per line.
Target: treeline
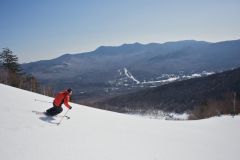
228	104
12	74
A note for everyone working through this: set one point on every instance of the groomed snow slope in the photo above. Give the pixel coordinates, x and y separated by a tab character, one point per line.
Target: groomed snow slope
93	134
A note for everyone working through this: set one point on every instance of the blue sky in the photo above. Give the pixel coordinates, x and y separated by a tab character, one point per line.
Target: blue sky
45	29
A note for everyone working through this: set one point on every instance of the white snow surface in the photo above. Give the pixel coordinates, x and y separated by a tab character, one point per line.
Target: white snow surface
93	134
162	81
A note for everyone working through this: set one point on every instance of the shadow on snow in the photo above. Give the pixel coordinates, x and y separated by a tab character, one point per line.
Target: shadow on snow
48	119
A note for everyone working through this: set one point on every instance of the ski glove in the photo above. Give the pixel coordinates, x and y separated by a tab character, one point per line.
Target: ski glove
70	107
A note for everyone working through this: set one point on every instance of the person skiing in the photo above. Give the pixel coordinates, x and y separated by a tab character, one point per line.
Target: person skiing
61	97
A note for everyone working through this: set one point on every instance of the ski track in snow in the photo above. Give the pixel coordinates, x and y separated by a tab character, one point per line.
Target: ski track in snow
129	75
93	134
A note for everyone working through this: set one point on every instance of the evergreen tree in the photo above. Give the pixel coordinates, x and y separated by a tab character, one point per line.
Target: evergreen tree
13	75
9	61
9	64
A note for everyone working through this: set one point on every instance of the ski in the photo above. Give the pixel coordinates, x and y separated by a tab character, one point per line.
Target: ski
44	113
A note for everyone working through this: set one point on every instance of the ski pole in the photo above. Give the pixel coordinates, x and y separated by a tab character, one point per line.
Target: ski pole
63	117
41	101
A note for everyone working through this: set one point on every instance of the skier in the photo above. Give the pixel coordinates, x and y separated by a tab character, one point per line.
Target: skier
61	97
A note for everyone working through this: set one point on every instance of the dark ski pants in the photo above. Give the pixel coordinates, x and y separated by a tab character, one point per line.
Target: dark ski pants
54	110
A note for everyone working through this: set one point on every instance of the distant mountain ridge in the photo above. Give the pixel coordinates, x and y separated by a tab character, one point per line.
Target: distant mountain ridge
99	73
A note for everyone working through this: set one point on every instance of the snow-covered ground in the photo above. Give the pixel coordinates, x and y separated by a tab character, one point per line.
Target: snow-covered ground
93	134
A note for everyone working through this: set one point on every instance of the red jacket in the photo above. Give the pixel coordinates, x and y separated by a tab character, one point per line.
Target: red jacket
62	97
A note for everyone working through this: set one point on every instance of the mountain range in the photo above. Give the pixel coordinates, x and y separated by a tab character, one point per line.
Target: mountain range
115	70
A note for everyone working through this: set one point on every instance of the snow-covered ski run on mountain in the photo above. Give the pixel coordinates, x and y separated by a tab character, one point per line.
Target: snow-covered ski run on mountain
93	134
